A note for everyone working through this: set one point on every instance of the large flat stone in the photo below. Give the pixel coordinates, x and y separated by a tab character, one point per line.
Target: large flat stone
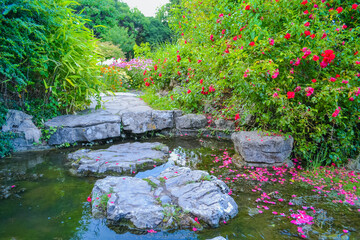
83	120
121	158
257	149
150	203
87	127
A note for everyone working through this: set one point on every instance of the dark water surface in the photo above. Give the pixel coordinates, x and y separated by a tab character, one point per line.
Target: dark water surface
46	202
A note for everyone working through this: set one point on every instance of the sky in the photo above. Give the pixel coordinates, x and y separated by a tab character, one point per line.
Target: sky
147	7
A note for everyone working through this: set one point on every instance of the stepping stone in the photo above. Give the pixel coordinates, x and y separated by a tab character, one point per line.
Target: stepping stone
127	158
172	200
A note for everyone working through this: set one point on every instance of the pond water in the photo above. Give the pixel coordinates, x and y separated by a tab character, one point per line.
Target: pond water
46	202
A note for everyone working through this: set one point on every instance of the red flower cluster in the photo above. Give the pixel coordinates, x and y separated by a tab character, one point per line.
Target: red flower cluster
287	36
290	95
178	58
329	56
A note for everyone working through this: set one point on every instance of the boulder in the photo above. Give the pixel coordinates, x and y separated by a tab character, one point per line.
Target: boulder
26	133
170	200
87	127
121	158
191	121
259	150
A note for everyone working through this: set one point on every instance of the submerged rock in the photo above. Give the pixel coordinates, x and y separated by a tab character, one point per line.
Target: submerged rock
259	150
171	200
121	158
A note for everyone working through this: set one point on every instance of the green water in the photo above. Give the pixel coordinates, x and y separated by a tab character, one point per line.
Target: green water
48	203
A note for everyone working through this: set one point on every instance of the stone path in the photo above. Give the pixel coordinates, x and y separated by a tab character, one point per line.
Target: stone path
122	102
122	114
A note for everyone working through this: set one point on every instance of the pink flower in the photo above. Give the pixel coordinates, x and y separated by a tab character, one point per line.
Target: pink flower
221	15
345	81
332	79
275	213
309	91
252	44
316	57
337	111
188	91
237	117
194	229
307	24
152	231
354	6
351	99
89	199
271	41
345	231
275	95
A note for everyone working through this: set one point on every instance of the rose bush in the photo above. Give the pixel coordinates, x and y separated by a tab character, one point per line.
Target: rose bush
293	65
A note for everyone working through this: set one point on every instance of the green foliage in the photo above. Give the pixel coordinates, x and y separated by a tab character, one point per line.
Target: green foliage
48	55
114	21
5	137
238	58
152	98
142	51
109	50
151	183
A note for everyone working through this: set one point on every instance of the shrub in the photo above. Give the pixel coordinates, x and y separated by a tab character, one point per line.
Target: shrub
109	50
293	65
46	53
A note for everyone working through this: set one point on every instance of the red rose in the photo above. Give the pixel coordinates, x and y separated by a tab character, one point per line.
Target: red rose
290	95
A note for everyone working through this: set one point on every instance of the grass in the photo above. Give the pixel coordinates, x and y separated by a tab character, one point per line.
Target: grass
159	103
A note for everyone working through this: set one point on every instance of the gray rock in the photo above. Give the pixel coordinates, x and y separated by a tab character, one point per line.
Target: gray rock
144	121
195	192
223	124
138	122
256	149
26	133
191	121
85	119
97	125
121	158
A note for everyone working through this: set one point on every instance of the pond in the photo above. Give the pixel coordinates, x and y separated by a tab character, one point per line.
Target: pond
44	201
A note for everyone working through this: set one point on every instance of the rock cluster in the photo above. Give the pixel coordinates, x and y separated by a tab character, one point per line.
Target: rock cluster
25	131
